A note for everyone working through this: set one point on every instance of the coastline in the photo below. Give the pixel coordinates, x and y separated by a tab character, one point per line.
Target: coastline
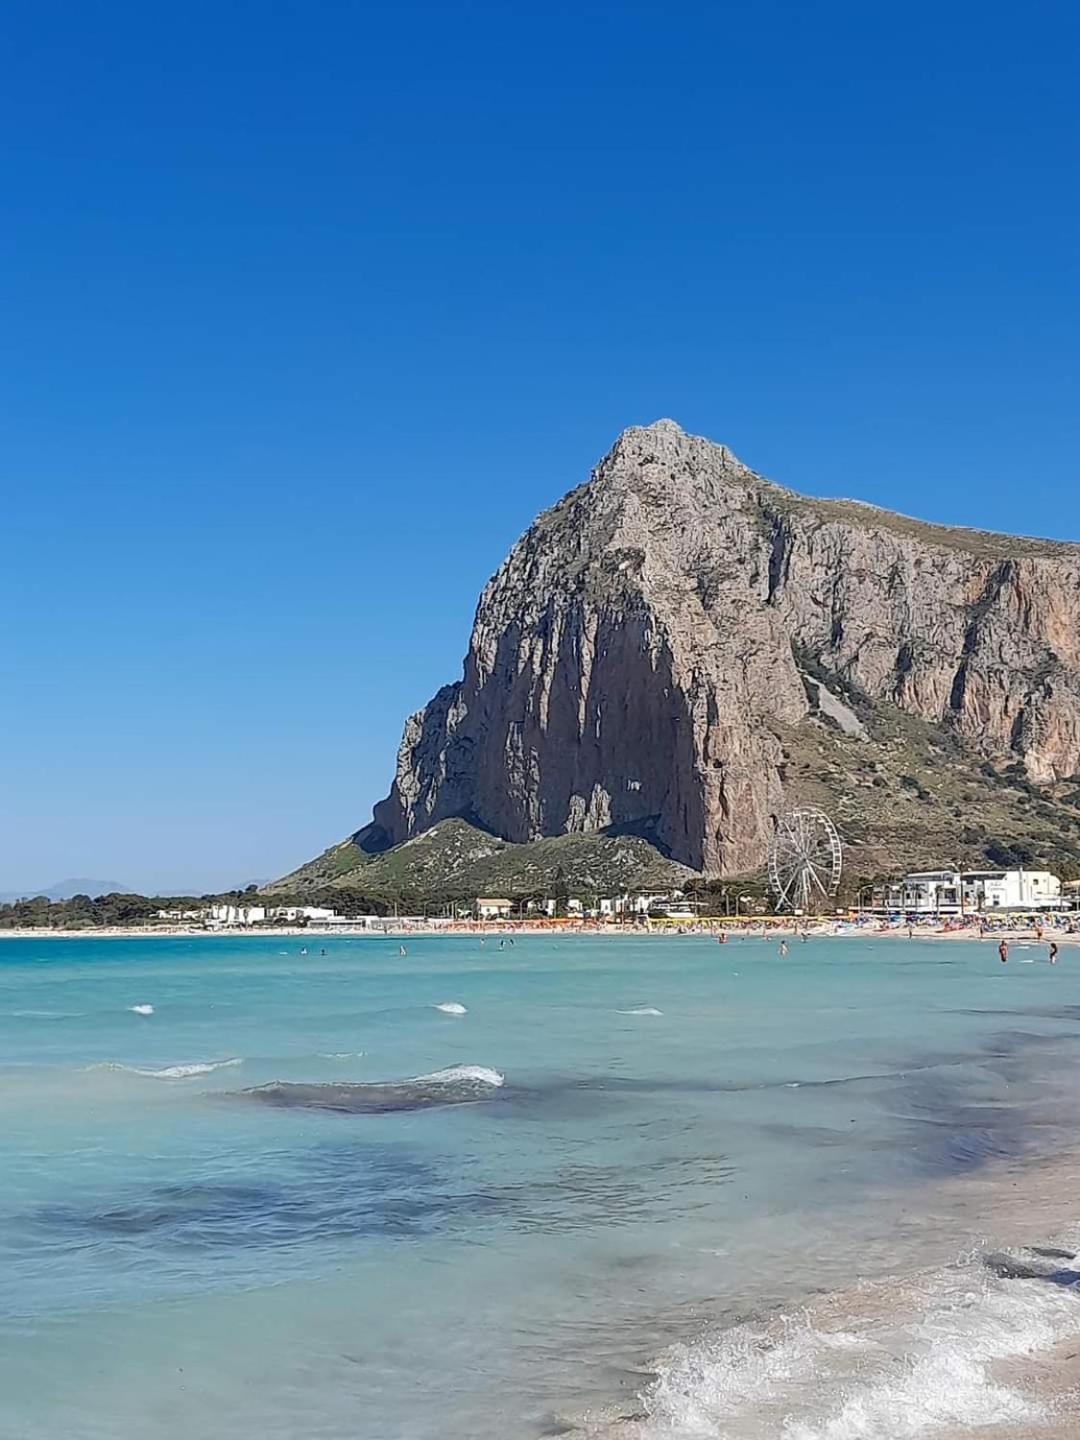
1019	1209
707	929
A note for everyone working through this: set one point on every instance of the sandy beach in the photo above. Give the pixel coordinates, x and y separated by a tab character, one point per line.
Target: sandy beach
713	926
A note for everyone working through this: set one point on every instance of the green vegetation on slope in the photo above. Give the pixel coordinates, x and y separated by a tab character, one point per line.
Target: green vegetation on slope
914	795
454	861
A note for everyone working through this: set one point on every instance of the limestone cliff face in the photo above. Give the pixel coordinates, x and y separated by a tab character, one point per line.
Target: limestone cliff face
632	656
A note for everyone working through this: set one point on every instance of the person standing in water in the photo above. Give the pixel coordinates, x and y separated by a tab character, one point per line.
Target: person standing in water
1053	952
1003	951
783	947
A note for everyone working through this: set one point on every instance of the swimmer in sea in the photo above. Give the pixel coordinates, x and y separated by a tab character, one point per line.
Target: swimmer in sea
1003	951
401	950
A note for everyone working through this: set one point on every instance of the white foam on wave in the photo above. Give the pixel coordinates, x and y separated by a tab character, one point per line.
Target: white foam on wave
171	1072
460	1074
920	1366
199	1067
341	1054
141	1009
46	1014
641	1010
452	1007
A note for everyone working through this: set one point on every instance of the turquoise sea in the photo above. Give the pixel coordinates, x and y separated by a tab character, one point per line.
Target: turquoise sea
729	1193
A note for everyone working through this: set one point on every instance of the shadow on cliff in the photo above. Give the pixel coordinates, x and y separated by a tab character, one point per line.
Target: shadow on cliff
645	828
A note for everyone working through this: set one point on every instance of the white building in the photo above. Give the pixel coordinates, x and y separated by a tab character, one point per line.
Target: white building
292	913
1010	890
926	892
973	892
237	914
488	909
671	902
680	910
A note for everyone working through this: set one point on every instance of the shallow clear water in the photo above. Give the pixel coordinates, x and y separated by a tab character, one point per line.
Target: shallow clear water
687	1136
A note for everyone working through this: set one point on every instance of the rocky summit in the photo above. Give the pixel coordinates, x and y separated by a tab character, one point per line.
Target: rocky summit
680	649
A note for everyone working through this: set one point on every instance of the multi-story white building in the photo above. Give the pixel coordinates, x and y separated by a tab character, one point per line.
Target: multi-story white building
953	892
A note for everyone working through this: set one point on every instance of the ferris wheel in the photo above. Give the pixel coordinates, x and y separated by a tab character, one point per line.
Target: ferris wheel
805	859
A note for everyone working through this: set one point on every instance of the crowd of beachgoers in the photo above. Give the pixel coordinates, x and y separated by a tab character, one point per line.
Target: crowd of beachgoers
1063	926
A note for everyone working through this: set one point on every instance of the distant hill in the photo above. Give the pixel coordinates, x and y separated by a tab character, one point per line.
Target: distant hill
456	860
65	889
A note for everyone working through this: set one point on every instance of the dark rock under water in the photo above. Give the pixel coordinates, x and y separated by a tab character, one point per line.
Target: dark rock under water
466	1087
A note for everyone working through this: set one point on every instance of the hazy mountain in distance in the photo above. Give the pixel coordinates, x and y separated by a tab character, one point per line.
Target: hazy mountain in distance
65	889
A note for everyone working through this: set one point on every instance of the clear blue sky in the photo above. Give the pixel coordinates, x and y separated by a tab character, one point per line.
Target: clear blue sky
307	308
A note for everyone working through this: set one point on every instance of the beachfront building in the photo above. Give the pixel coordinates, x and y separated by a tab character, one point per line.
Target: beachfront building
487	909
237	914
1011	890
926	892
638	906
678	910
971	892
289	914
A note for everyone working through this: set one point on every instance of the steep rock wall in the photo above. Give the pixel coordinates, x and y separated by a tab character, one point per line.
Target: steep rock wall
630	657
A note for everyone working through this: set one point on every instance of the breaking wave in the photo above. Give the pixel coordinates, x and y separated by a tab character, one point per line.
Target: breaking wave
458	1085
452	1007
458	1074
641	1010
884	1362
172	1072
141	1009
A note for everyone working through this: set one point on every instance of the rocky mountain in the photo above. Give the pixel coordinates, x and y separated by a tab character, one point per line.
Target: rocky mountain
679	649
